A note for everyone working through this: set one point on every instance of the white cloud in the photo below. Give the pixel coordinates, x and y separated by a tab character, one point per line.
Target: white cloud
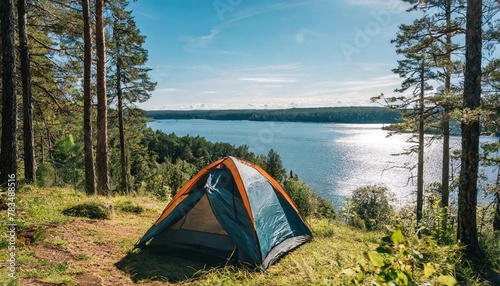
273	86
146	15
168	90
300	36
292	66
279	85
200	68
267	79
203	41
210	92
247	13
392	5
198	106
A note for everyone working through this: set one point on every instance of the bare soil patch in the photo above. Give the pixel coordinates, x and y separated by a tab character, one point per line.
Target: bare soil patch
90	249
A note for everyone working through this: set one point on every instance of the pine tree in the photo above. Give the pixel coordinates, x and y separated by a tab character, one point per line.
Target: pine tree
90	187
129	79
8	153
28	133
274	166
415	70
55	31
103	186
446	21
467	194
491	105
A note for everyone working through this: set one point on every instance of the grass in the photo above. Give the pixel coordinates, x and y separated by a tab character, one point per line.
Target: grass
92	210
56	249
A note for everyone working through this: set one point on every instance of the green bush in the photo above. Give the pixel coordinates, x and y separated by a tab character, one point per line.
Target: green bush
308	202
433	217
46	175
400	260
357	222
92	210
322	207
301	195
370	204
489	241
129	207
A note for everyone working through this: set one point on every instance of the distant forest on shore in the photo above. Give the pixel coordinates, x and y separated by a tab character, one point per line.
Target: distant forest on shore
358	114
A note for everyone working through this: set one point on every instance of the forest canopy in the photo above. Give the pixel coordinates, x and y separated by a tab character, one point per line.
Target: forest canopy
358	114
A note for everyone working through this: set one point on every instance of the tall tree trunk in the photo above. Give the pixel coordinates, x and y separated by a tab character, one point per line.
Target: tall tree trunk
28	136
467	194
88	142
420	166
103	186
42	149
125	173
8	153
445	172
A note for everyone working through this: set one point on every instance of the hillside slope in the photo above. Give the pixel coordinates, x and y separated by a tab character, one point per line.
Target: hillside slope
55	249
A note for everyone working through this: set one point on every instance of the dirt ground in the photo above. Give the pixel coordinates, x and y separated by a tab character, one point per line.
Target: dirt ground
88	249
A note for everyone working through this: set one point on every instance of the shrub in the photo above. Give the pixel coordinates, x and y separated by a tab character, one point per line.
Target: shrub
129	207
308	202
400	260
433	217
46	175
489	242
357	222
301	195
371	204
322	207
92	210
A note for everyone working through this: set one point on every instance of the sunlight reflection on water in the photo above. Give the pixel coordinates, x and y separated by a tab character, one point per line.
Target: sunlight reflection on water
333	159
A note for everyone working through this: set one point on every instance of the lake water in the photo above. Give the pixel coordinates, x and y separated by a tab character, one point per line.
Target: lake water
333	159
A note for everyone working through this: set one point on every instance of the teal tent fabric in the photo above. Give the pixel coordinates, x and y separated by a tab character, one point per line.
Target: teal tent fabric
275	219
229	210
270	228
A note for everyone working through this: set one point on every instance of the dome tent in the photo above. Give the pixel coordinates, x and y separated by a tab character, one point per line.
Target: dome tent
231	208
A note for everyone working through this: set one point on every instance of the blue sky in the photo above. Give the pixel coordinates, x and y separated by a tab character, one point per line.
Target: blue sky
220	54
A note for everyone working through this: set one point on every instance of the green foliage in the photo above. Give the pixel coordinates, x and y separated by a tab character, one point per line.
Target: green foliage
68	160
371	205
436	221
324	228
168	178
400	260
308	202
129	207
274	166
46	175
357	222
194	150
489	242
127	60
322	208
323	114
92	210
301	195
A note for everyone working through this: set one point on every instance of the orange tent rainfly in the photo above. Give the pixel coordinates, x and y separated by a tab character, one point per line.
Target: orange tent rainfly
230	209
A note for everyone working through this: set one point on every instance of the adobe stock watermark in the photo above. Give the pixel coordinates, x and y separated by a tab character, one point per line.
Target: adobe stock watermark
373	28
223	6
11	224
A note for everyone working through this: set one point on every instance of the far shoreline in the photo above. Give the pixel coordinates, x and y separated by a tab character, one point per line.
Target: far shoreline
353	114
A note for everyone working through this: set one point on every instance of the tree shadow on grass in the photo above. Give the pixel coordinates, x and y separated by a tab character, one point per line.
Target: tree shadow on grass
147	266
